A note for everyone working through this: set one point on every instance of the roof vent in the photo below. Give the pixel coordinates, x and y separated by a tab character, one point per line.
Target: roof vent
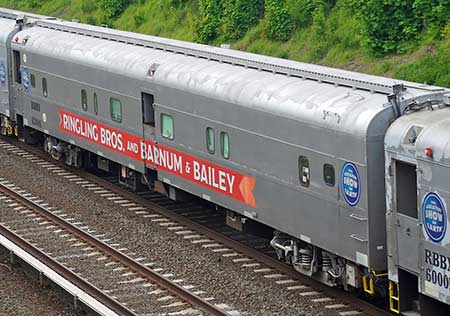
447	99
25	40
20	19
412	134
151	72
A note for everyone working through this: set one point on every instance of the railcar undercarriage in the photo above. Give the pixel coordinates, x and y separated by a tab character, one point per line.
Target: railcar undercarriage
315	262
62	151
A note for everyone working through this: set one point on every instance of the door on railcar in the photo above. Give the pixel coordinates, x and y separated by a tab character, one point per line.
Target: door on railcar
434	250
17	91
5	104
4	82
407	231
148	116
148	123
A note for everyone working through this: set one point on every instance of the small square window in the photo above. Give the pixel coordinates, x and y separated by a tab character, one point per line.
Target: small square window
116	110
329	175
84	101
33	80
95	104
167	127
44	87
210	142
304	172
225	145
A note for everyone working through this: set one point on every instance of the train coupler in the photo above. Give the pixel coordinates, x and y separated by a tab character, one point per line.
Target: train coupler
371	281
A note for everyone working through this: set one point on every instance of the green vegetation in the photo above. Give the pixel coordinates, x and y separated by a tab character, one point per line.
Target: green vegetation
239	16
279	25
406	39
207	28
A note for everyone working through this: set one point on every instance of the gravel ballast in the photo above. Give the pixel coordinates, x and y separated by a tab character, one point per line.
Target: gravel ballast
20	295
221	278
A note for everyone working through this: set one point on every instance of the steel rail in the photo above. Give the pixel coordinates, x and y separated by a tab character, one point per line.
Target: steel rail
263	258
66	273
236	245
145	272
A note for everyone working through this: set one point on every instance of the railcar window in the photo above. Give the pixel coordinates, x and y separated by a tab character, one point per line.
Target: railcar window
17	66
304	171
167	126
225	145
210	141
95	103
44	87
116	110
84	100
329	175
33	80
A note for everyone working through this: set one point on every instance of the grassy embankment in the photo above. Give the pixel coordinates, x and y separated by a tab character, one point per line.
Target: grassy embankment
333	39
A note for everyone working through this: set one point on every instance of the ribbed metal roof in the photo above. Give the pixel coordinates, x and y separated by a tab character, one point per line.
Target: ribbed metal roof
243	59
330	103
6	27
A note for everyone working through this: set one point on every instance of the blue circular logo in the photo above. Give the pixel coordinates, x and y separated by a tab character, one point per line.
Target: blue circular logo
351	184
26	79
434	217
2	74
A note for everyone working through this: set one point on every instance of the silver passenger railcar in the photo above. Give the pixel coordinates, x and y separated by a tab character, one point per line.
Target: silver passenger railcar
11	22
297	147
418	196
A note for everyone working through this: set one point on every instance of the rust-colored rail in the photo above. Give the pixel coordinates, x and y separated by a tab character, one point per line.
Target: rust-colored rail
236	245
67	274
229	242
145	272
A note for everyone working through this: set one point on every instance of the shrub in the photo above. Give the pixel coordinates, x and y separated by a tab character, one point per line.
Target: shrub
176	3
318	33
91	20
112	8
88	6
139	18
434	13
279	24
239	16
388	24
207	28
31	4
301	11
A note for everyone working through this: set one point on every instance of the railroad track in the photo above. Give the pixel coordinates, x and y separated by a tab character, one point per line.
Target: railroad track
91	263
161	211
196	211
